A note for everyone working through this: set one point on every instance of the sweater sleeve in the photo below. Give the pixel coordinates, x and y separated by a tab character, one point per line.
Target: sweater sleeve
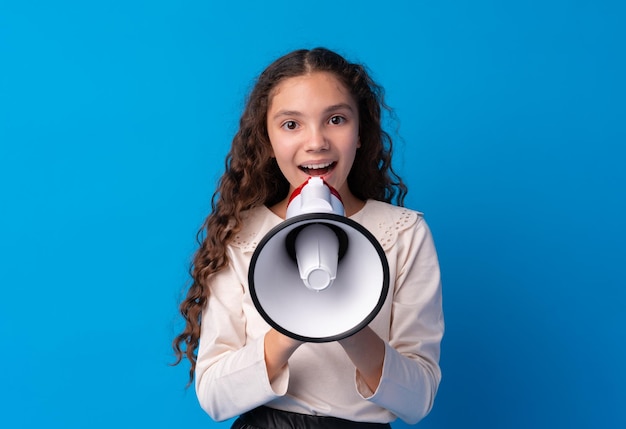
411	372
231	376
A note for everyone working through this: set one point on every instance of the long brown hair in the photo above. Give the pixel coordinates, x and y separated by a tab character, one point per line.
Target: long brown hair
252	177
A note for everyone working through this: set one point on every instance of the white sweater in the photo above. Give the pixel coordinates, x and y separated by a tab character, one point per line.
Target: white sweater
320	379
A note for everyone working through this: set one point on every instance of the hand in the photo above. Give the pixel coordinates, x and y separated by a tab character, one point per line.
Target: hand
366	350
278	350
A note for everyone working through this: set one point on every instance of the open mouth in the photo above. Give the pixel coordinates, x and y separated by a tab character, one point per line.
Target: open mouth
318	169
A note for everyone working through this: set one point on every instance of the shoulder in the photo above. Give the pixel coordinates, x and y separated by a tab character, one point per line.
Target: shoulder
256	222
387	222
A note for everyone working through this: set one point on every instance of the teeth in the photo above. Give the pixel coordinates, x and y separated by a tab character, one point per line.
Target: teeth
317	166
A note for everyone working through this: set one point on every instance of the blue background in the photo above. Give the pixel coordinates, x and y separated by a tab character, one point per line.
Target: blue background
115	117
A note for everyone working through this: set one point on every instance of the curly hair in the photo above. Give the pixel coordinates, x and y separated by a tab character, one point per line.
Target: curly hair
252	177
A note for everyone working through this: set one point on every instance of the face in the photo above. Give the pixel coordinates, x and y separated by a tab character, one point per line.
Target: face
313	126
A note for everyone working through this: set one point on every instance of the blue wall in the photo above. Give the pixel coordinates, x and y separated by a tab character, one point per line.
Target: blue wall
114	121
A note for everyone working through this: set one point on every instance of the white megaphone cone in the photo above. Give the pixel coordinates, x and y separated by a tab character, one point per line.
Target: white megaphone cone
316	245
318	276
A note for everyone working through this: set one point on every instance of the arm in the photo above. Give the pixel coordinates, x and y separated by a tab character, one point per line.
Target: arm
410	372
231	372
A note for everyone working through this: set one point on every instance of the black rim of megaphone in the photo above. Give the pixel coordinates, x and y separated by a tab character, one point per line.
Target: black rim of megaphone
319	218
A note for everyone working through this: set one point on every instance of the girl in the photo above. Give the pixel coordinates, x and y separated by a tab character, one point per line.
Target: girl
312	113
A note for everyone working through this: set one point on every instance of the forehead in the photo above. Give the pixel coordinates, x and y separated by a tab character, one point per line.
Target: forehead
323	86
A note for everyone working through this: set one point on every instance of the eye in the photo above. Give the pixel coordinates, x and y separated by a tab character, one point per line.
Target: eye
290	125
337	120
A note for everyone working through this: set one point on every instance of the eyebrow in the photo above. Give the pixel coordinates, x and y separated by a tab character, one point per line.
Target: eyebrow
329	109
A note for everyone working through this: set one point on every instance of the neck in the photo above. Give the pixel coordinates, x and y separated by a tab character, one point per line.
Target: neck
352	204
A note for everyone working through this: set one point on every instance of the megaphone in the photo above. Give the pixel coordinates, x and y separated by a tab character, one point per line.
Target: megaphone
318	276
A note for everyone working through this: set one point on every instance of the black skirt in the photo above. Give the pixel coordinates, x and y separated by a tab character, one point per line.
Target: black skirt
270	418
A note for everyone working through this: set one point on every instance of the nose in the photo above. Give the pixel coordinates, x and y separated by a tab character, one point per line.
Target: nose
317	141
